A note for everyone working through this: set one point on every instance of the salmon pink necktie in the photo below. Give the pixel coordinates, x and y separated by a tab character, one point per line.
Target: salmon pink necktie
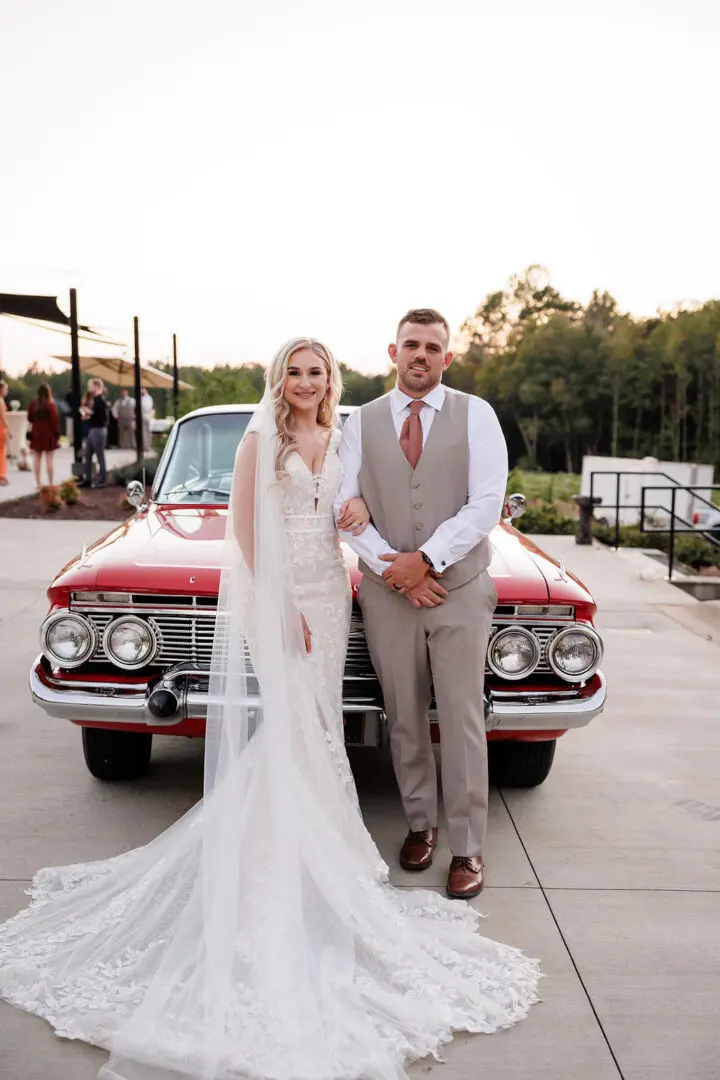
411	436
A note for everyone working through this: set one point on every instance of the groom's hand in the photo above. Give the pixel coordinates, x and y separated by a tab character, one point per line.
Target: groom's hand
407	570
429	593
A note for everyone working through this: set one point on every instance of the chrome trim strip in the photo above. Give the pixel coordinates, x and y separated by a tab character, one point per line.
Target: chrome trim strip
120	703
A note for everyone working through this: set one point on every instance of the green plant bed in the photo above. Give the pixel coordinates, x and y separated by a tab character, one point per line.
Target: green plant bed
693	551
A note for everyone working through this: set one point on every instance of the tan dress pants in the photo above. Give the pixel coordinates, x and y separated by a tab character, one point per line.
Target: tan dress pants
413	651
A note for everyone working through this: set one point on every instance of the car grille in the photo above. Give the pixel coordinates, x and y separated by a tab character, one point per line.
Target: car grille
186	634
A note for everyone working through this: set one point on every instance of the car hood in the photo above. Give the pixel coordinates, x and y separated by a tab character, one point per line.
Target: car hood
163	550
178	550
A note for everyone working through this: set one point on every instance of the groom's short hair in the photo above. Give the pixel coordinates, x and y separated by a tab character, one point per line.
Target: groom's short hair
425	316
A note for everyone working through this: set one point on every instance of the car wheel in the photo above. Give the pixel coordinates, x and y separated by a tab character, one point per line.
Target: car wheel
116	755
520	764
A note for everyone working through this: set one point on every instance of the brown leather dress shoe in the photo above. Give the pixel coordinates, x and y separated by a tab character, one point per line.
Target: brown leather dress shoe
465	879
417	850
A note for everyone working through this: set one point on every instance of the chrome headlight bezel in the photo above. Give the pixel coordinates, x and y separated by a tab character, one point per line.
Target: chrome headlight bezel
561	635
69	616
528	670
147	627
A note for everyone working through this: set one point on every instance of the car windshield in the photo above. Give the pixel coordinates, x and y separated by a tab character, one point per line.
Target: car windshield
202	459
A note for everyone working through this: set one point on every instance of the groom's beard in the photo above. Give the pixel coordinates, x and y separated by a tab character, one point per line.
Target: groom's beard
420	379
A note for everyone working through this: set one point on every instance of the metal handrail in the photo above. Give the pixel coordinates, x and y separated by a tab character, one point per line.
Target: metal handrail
643	506
673	530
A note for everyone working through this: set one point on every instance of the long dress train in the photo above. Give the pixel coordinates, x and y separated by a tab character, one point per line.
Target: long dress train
298	961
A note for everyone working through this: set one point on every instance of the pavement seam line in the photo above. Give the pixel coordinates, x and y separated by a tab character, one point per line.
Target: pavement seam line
5	622
562	937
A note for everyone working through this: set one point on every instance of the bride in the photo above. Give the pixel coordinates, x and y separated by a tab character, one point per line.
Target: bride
258	936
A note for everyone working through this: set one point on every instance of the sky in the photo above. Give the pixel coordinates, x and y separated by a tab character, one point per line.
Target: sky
243	173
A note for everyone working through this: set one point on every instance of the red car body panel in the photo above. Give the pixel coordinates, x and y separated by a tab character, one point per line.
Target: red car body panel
178	550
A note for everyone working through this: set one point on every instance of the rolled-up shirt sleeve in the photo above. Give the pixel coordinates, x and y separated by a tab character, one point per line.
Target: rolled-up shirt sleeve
370	545
487	482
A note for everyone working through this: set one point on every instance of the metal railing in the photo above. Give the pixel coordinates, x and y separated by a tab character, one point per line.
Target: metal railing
644	507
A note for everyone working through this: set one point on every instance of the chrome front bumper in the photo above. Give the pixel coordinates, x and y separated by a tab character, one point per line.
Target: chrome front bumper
127	703
545	711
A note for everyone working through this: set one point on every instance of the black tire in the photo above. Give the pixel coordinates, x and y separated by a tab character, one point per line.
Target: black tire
116	755
520	764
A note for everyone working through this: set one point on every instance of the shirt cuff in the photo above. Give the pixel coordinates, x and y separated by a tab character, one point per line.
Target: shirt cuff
438	555
372	558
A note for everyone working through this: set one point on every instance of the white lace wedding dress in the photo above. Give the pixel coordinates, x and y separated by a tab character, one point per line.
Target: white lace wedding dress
291	957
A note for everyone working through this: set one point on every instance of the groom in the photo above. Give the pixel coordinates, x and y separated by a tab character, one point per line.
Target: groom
431	464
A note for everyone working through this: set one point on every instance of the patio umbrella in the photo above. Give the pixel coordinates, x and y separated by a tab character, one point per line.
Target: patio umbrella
120	372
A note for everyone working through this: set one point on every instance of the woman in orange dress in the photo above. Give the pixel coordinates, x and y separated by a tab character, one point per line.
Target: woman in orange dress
4	434
45	432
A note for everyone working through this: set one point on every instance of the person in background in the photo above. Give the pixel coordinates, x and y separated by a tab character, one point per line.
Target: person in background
148	412
4	434
124	412
86	407
67	413
44	421
97	435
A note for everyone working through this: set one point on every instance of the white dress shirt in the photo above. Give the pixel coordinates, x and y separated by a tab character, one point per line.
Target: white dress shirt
487	481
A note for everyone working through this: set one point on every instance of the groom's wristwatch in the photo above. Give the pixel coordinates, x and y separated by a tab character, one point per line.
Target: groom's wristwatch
427	560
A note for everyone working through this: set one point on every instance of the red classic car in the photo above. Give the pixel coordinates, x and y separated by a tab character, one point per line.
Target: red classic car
127	643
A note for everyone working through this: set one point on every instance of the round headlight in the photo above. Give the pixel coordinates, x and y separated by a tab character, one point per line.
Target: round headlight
129	642
575	653
68	640
514	653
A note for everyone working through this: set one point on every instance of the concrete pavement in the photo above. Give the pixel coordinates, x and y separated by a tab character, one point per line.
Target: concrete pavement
609	872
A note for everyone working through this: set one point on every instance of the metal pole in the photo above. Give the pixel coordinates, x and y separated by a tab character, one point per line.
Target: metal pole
671	548
138	393
75	388
617	511
176	381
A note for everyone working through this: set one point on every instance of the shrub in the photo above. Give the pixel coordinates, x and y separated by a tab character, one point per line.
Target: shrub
69	491
630	536
50	497
696	552
546	520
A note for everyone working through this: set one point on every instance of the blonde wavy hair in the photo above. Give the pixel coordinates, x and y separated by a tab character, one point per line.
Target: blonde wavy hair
276	377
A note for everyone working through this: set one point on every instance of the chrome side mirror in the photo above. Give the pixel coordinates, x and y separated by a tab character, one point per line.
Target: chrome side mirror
135	494
515	506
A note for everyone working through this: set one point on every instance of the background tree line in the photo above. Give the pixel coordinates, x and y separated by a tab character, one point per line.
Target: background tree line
566	379
569	380
220	385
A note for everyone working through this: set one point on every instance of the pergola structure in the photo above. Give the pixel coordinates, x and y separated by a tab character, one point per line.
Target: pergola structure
45	309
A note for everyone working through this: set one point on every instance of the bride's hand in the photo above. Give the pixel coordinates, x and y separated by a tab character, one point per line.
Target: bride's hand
306	634
354	516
